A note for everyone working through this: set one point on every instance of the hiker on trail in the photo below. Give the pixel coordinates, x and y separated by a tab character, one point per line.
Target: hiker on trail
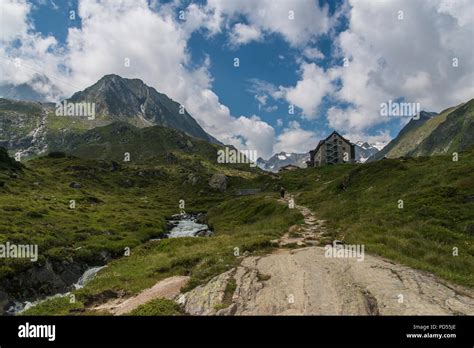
282	192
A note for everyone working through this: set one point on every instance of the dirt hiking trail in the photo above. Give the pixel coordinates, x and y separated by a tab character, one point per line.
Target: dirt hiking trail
304	281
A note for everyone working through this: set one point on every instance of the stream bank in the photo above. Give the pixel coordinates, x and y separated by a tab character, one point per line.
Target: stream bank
58	279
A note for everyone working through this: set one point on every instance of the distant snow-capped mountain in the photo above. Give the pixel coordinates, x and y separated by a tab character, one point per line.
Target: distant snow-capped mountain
274	163
363	150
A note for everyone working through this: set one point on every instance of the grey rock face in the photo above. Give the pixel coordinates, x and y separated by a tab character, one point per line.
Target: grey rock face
131	100
218	182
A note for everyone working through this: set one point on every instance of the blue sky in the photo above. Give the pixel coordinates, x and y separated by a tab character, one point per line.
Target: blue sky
283	62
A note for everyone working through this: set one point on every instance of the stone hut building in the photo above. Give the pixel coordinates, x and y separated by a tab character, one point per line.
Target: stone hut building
332	150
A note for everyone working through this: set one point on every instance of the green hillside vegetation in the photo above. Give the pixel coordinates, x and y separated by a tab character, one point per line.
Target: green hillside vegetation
123	205
111	142
452	130
415	136
58	125
404	133
114	209
454	133
29	108
156	307
360	203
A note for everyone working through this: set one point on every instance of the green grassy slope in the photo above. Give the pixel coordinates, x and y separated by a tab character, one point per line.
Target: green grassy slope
360	203
249	224
111	142
126	207
405	139
7	163
116	209
87	138
455	133
450	130
415	137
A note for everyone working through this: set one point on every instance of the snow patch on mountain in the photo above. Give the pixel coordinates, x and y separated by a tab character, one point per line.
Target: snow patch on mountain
363	150
274	163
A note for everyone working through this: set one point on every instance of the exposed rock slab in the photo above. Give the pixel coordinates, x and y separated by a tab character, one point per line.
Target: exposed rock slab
306	282
205	299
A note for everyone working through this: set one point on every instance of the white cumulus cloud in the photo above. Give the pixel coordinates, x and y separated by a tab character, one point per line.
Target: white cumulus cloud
13	23
132	40
295	139
243	33
297	21
403	49
307	94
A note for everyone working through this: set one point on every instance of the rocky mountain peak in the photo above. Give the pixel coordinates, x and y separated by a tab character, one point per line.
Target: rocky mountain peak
131	100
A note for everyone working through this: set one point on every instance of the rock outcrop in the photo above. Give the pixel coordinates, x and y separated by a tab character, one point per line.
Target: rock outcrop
218	182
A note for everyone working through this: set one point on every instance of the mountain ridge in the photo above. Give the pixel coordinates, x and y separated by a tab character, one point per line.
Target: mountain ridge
29	127
429	135
131	100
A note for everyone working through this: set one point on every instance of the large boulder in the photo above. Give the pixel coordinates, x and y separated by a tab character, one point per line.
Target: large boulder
206	299
218	182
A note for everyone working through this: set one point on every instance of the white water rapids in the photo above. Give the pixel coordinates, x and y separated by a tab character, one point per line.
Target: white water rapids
186	228
86	277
